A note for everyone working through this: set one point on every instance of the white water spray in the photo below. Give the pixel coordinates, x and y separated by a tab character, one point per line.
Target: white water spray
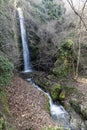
26	55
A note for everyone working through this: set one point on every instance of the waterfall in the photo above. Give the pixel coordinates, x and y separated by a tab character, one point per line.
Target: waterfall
26	56
57	111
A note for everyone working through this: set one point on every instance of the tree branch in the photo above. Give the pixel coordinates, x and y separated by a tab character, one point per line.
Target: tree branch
80	16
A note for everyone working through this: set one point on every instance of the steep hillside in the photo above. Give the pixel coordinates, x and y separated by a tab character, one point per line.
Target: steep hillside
9	56
29	106
8	36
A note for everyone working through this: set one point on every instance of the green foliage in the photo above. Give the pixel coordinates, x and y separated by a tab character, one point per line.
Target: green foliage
53	10
5	114
1	39
47	105
84	113
69	90
4	125
55	92
75	105
3	99
62	96
6	68
79	108
65	60
50	11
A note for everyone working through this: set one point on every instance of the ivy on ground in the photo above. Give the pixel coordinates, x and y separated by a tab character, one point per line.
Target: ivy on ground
6	68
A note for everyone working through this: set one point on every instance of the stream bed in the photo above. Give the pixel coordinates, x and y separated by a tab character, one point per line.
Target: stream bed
68	120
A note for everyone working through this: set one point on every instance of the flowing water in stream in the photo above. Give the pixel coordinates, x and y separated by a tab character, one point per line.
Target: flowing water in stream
58	113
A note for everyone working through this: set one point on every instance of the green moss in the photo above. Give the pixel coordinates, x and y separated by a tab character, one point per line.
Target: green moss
75	105
41	84
2	123
4	101
69	90
6	68
84	113
47	105
5	114
66	58
62	96
1	39
61	67
55	92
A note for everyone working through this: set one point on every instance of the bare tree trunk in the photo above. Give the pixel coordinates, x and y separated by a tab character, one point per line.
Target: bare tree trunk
81	21
79	53
79	15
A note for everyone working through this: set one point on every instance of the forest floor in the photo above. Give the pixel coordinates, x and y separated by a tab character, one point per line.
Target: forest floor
27	106
82	87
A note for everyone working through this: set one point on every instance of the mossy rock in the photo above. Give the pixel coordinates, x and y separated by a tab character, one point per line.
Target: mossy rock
75	105
47	104
84	113
61	68
42	83
62	95
79	108
55	92
69	90
63	64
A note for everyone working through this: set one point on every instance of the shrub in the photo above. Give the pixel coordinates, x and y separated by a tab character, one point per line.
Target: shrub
55	92
54	11
66	59
6	68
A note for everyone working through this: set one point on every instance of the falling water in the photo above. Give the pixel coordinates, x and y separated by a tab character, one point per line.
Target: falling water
26	56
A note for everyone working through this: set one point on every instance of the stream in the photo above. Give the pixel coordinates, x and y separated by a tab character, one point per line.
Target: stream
58	113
